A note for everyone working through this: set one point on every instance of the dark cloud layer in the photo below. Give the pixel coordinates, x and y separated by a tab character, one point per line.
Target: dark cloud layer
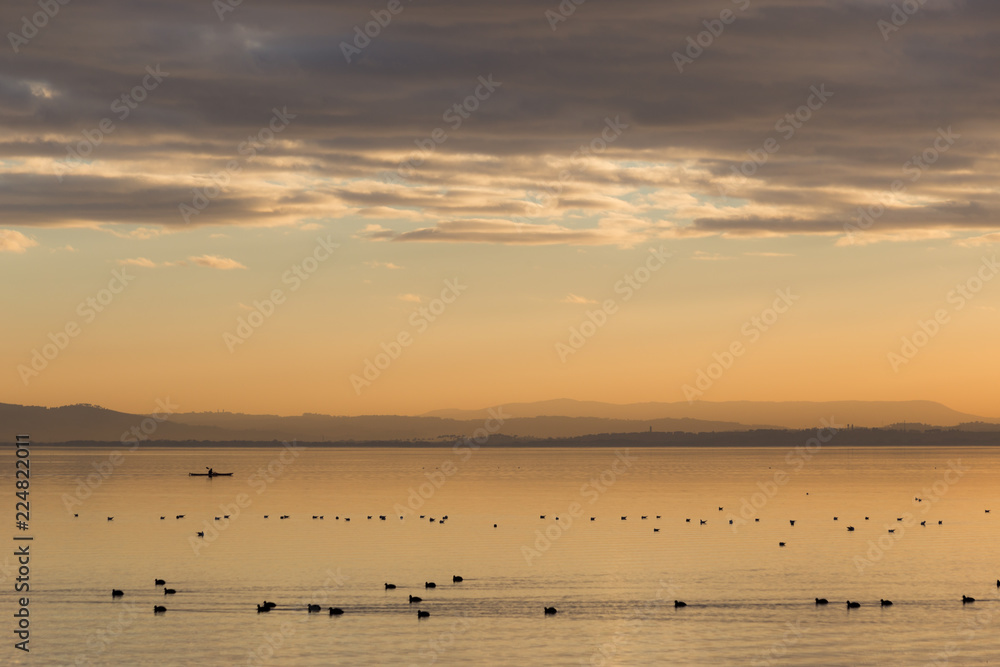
670	172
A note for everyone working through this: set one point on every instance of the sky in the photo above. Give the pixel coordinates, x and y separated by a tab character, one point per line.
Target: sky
394	206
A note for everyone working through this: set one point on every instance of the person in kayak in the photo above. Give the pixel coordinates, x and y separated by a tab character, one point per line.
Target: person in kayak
209	472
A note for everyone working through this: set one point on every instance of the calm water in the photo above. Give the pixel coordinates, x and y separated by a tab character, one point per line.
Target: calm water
613	581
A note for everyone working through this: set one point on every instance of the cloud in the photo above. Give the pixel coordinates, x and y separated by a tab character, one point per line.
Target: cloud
606	232
215	262
14	241
138	261
573	298
676	167
708	256
414	298
985	239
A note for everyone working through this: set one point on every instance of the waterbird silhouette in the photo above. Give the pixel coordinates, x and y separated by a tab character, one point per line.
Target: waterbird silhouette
111	518
262	608
720	509
115	593
678	604
822	601
850	529
389	587
414	598
76	515
966	599
159	582
781	544
169	591
624	518
702	522
270	605
687	520
892	530
834	518
158	610
541	516
593	518
550	610
336	611
853	605
644	518
791	521
998	583
423	614
430	584
456	579
161	518
923	523
179	516
656	530
313	608
885	603
201	533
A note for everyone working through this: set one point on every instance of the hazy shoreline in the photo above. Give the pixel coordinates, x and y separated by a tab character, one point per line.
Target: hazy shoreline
859	438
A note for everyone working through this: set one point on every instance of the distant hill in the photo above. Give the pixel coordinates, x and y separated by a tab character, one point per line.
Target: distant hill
88	422
787	414
526	421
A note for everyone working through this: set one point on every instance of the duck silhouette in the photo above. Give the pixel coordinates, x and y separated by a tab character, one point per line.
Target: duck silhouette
853	605
822	601
336	611
169	591
313	608
270	605
550	610
966	599
414	598
678	604
423	614
115	593
389	587
457	579
885	603
262	608
158	610
430	584
159	582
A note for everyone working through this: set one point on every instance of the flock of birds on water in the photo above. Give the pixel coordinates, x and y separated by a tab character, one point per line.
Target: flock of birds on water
413	599
548	611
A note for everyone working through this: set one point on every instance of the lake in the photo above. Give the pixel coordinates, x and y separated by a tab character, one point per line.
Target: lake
612	580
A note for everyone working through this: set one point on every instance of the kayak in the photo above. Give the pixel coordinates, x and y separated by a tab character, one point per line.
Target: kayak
214	474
